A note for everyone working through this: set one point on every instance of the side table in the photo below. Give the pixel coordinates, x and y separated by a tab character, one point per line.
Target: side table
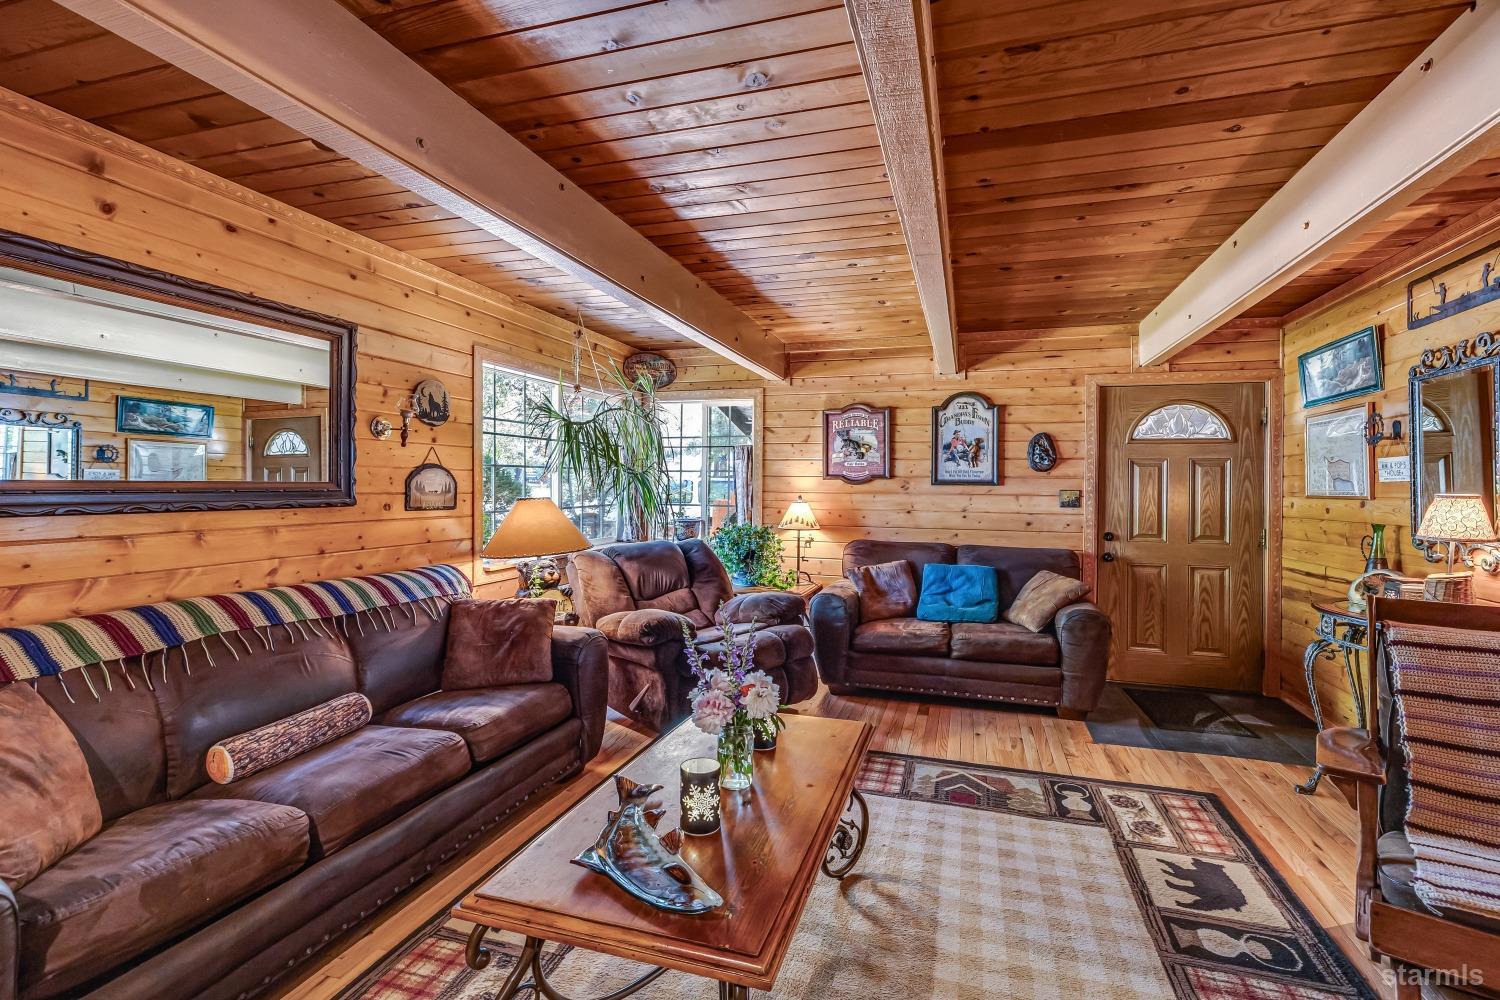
1341	632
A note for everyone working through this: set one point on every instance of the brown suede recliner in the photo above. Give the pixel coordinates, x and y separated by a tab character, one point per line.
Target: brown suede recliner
639	594
1064	665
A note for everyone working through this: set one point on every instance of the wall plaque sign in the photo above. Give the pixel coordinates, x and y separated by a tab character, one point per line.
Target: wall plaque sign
857	443
966	441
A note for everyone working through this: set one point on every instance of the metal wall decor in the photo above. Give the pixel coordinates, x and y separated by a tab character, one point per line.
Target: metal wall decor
1041	453
430	486
44	385
429	402
634	857
966	441
857	443
1454	288
661	370
106	453
1348	367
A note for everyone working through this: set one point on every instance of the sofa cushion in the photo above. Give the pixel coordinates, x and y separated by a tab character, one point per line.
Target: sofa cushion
1004	642
492	721
357	783
493	643
886	590
958	594
1043	596
49	801
147	878
903	635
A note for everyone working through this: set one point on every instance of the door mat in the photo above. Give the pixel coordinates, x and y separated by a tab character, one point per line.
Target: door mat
1220	723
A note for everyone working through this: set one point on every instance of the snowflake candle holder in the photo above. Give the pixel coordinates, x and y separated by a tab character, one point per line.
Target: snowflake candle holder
700	796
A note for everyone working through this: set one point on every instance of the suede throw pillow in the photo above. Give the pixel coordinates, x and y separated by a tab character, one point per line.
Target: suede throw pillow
1042	598
886	590
50	805
243	755
495	643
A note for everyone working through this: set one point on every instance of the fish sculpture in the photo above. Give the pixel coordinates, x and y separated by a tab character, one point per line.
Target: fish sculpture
643	863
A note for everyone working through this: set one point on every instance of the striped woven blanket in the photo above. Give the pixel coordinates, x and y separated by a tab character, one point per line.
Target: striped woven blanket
1446	687
52	648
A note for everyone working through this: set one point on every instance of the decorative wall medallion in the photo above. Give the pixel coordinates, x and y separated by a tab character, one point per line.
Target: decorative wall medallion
430	486
662	371
429	402
857	443
965	441
106	453
1041	453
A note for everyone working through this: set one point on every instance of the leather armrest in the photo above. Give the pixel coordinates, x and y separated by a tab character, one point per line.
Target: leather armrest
10	944
766	607
644	627
1083	632
1351	753
834	615
580	663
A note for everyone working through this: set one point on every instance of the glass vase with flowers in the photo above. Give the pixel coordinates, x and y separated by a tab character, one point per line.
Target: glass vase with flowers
731	698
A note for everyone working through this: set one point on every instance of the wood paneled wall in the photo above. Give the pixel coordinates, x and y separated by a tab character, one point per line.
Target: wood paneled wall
1321	536
1039	378
64	180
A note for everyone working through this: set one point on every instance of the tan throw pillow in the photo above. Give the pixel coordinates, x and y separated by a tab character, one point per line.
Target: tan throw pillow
243	755
495	643
886	590
50	805
1042	598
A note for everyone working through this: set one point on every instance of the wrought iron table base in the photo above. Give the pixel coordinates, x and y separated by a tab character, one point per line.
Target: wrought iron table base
843	854
1329	645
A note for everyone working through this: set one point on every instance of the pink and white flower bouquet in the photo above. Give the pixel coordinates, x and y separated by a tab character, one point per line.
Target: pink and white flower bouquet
731	699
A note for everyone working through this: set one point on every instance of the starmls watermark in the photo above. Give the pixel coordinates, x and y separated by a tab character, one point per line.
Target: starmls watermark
1461	977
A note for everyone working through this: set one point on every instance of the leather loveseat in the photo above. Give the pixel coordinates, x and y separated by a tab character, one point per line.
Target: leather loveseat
640	594
1062	666
198	889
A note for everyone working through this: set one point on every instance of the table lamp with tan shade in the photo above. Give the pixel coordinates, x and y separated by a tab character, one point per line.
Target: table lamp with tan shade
799	518
1459	519
536	526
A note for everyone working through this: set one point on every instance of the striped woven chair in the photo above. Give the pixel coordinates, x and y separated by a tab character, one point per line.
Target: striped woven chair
1428	781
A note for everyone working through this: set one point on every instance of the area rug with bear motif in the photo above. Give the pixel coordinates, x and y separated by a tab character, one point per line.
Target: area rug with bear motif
983	881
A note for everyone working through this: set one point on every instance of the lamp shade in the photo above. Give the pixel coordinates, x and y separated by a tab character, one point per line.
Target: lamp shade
535	527
798	517
1457	517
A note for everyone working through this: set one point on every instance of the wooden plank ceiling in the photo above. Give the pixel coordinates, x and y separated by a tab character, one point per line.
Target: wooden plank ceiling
736	134
1097	153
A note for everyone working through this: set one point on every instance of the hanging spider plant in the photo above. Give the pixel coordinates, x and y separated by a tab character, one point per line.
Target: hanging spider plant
617	451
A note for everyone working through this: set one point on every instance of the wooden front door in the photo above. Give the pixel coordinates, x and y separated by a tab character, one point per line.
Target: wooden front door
1182	542
286	449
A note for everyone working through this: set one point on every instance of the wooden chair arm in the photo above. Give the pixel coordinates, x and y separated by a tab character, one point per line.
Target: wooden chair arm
1351	753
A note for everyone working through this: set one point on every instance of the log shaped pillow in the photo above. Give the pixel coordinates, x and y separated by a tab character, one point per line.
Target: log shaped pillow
243	755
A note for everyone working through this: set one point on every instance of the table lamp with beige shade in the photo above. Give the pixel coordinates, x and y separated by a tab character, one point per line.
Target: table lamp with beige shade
536	526
799	518
1460	520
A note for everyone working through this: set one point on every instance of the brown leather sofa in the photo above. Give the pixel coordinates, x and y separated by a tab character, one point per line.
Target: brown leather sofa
194	889
639	594
1062	666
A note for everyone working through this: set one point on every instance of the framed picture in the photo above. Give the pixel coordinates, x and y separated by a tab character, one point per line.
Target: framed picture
966	441
134	415
1346	368
165	461
857	443
1336	462
431	487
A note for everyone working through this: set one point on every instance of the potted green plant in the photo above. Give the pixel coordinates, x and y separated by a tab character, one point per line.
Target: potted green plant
752	555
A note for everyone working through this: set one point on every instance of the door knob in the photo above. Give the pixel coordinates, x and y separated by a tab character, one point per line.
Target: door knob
1109	536
1108	557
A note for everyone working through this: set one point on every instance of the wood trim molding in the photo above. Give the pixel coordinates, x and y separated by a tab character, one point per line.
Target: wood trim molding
1272	379
317	68
1439	115
17	106
894	39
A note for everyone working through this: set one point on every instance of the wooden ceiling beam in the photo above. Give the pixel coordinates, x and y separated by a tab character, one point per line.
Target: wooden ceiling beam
894	39
315	67
1437	117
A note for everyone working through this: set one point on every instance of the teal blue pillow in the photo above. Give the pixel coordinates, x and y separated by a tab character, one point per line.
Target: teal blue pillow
959	594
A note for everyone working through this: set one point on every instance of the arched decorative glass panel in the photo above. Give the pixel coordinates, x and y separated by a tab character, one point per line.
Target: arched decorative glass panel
1430	421
286	442
1181	422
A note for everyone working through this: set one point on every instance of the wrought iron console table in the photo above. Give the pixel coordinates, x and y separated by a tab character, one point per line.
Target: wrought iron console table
1341	632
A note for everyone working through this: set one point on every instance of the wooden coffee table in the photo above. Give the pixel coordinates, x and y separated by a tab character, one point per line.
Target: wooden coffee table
802	816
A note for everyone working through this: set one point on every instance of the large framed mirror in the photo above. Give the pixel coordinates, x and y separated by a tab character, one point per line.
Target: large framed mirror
1455	396
125	389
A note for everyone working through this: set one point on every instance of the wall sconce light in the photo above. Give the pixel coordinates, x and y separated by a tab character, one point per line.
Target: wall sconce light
381	428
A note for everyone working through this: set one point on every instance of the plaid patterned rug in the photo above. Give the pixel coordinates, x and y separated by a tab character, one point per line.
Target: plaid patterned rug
984	881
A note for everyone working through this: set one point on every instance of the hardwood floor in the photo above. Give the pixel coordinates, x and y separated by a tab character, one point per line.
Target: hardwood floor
1310	840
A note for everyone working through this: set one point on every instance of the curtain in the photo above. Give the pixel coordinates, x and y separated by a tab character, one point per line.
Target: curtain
744	501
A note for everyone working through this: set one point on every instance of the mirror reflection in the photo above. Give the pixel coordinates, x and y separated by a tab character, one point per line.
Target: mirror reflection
1453	422
100	385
